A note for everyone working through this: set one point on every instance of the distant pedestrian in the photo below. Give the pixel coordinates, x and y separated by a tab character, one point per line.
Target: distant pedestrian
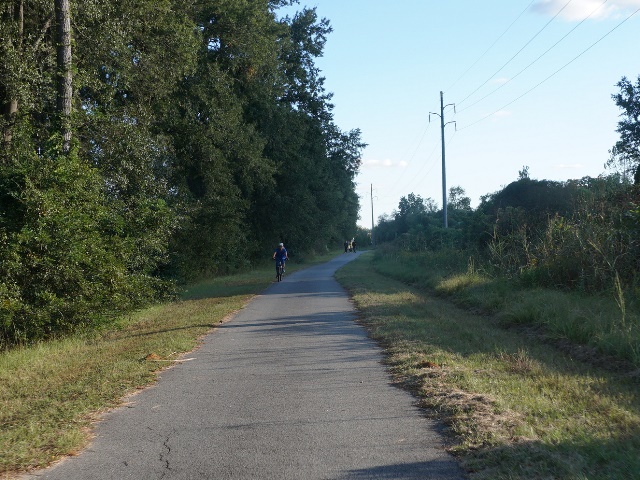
353	245
346	246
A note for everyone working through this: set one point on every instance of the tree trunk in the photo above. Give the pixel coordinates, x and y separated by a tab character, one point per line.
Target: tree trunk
11	106
65	87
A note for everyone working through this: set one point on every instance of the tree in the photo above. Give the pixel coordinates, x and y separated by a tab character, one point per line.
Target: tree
83	235
524	173
411	210
64	77
312	201
305	42
626	151
15	15
458	200
128	86
412	204
25	73
539	198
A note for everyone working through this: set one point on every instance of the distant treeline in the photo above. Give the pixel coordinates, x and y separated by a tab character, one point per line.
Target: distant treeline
146	142
579	235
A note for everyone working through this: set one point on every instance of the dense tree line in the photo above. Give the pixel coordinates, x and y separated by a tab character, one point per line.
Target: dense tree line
151	141
579	234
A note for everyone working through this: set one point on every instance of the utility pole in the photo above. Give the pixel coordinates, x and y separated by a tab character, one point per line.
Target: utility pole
445	221
373	241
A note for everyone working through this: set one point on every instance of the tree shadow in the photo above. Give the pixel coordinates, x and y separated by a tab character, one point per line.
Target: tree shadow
436	469
561	461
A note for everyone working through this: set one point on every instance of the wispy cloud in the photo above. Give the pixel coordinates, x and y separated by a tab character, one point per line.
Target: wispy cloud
387	163
580	9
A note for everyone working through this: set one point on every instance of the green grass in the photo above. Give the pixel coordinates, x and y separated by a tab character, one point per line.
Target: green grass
596	322
517	406
52	392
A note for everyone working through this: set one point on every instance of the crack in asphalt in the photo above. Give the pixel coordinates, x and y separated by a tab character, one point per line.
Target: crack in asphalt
164	457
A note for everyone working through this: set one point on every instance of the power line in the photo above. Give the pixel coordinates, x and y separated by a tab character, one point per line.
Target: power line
433	164
517	53
415	151
546	51
451	137
556	72
491	46
415	177
426	162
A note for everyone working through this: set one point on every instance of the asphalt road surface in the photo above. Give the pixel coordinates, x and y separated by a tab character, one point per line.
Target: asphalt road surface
290	388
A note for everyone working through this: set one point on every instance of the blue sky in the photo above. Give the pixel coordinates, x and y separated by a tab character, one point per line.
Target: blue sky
386	63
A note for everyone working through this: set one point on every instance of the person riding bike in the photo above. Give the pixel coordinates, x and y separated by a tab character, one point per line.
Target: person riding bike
280	256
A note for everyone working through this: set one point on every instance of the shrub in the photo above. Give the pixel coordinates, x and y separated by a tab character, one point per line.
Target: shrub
69	258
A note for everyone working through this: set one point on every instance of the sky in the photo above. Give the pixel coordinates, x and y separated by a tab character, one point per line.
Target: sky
531	83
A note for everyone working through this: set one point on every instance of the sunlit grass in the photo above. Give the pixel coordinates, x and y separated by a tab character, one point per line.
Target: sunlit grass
457	283
519	407
595	321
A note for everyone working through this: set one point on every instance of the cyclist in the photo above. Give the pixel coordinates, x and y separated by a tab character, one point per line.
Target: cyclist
280	256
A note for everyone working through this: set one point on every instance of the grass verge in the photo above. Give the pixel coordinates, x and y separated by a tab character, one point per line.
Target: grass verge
52	392
518	407
607	324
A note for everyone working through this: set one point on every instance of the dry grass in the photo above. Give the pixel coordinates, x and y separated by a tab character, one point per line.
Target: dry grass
517	406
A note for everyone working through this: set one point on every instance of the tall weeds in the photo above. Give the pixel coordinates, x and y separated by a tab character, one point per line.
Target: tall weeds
586	250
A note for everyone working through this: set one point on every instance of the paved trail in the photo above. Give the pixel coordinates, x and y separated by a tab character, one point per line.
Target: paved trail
290	388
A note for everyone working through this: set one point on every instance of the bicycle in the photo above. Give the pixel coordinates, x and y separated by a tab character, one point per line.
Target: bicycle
279	269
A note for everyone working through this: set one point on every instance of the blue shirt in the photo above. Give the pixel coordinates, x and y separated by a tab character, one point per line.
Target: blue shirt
281	254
